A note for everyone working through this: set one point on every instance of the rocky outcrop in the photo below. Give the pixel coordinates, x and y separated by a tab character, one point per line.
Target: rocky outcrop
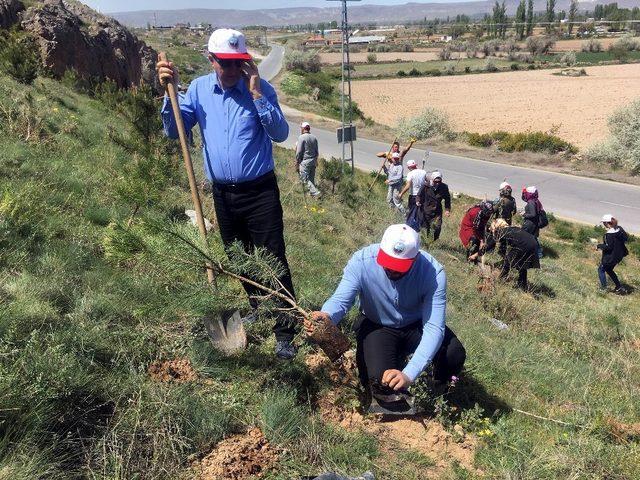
9	10
73	36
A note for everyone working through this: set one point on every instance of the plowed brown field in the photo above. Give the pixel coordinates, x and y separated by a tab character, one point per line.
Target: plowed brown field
512	101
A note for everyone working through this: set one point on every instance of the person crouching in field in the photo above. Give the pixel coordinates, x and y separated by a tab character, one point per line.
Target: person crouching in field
518	248
613	251
394	182
473	228
402	292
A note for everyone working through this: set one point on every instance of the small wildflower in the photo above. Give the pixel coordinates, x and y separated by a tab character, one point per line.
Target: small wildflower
565	435
55	109
454	380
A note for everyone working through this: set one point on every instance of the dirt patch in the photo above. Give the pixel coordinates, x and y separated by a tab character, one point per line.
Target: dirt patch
336	57
238	457
418	433
513	101
576	45
179	370
624	432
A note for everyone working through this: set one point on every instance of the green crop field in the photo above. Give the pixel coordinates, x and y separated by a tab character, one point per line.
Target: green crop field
95	294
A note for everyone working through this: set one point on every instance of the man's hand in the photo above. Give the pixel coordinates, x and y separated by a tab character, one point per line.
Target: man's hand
387	182
473	258
395	379
447	213
315	317
252	78
167	73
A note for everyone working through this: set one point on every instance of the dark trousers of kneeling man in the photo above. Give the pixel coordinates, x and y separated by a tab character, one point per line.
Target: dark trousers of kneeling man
402	292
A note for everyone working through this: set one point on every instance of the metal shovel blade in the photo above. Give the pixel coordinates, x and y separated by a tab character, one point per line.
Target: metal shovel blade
226	332
401	404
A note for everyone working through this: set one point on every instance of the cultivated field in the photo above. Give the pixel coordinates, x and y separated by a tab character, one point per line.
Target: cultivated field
512	101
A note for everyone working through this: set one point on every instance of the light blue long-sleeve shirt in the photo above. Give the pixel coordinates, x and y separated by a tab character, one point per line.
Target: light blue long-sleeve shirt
420	295
236	130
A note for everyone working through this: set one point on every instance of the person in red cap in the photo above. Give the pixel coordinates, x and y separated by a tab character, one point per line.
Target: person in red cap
239	118
403	296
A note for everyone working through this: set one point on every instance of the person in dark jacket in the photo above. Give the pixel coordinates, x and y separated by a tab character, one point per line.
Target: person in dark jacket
531	214
430	198
473	228
518	248
613	251
505	205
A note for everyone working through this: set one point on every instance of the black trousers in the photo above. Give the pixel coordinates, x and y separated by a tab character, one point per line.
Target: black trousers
522	275
251	213
381	348
436	223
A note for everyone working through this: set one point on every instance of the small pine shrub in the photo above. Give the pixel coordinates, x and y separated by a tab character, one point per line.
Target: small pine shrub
372	58
402	73
414	72
619	52
467	69
515	66
331	171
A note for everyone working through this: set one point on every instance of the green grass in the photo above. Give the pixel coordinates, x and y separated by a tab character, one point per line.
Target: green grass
85	309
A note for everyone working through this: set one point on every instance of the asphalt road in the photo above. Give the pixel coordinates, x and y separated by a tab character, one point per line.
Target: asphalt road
567	196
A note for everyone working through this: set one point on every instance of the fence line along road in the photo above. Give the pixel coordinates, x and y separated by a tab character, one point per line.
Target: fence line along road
572	197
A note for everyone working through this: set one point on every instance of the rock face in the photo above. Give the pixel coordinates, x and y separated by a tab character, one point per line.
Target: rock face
73	36
9	10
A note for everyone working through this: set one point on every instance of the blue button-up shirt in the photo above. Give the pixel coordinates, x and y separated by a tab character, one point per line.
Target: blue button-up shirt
420	295
236	130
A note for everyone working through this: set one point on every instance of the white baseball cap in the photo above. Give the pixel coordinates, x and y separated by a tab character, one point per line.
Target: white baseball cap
504	185
226	43
399	248
305	125
411	163
531	189
395	155
435	175
607	218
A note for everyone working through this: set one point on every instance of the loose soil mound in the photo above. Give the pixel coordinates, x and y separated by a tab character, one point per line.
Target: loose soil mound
238	457
179	370
418	433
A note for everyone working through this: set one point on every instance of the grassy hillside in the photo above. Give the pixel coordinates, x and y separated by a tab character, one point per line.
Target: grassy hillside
95	300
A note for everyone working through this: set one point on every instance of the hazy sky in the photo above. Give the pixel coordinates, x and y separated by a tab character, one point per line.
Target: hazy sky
107	6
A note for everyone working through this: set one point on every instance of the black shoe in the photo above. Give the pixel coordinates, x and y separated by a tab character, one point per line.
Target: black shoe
621	290
285	350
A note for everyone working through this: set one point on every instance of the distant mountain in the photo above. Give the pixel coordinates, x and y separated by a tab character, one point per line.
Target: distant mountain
387	14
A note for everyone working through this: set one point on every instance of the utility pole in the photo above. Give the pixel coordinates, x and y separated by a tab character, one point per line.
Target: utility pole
346	134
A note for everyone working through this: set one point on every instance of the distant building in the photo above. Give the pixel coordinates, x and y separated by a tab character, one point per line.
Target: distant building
445	38
367	39
316	41
161	27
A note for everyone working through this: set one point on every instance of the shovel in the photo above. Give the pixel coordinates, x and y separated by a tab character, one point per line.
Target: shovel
226	332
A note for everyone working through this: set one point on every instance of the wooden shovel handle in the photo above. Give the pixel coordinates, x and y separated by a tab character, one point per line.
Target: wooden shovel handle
186	155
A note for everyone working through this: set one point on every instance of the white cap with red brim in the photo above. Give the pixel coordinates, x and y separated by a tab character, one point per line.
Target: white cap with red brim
227	44
399	248
411	164
504	185
305	125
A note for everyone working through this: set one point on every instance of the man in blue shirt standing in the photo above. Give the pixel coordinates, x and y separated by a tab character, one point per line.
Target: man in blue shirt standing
402	292
239	116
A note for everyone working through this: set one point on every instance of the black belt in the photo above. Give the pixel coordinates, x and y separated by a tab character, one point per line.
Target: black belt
243	186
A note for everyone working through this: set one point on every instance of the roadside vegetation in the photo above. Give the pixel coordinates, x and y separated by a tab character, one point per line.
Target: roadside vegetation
106	370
